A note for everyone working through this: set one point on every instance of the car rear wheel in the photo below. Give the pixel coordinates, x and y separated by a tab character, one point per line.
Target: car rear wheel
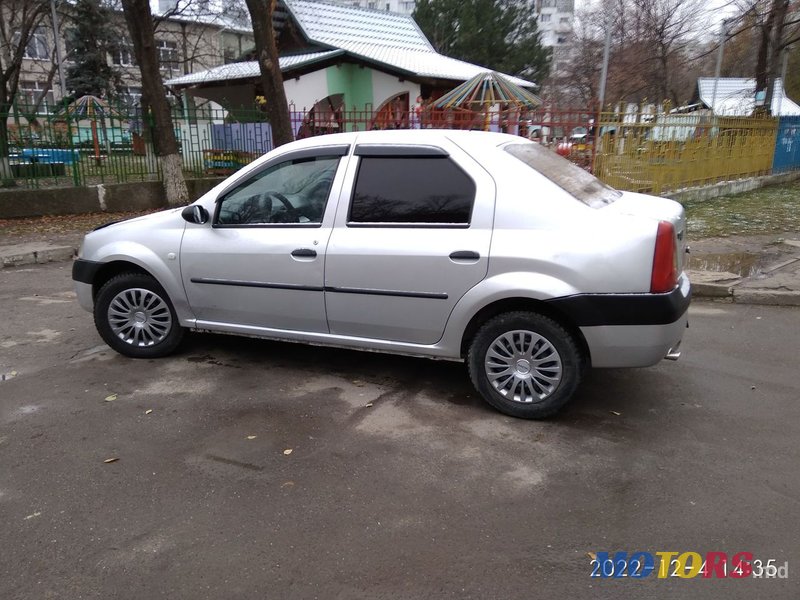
134	316
525	364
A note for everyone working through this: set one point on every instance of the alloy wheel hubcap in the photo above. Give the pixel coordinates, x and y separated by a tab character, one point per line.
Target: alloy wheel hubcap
139	317
523	366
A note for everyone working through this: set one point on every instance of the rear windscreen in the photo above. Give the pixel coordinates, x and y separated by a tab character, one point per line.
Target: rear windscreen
582	185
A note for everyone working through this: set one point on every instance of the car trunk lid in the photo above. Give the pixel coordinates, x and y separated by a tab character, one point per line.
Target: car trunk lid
657	209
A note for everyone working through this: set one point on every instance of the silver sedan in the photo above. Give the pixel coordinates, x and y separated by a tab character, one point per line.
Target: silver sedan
456	245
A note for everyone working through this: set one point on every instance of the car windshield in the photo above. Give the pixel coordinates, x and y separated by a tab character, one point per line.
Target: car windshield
582	185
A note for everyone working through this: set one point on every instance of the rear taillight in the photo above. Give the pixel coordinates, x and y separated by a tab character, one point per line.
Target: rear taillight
665	262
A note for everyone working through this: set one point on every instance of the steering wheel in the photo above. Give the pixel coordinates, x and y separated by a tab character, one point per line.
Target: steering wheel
290	216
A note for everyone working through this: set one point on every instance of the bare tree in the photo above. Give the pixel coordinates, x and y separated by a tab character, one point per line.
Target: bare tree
19	20
651	54
277	107
140	26
667	28
775	25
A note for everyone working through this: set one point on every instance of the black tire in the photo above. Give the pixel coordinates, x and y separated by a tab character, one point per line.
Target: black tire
160	333
545	339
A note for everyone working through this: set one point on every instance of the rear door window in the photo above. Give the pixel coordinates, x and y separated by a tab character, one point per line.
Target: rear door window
405	190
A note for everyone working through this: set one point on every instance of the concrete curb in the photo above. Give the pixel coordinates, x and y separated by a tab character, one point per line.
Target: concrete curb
711	290
34	254
766	297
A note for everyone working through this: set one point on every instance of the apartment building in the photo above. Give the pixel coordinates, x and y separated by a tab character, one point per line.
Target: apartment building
402	7
185	43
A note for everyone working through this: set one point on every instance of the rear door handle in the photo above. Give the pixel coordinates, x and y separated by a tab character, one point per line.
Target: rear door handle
304	253
464	255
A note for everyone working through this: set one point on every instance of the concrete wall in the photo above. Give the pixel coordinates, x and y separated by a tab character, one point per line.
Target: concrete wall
118	197
305	91
386	86
725	188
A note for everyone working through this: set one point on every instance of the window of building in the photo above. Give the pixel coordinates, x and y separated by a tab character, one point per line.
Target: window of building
124	55
167	54
372	4
37	47
29	92
564	20
404	190
130	96
545	18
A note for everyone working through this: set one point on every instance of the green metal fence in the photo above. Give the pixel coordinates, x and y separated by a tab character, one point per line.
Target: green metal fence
67	148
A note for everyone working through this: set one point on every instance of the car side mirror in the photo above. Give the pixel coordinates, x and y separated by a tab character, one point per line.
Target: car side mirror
194	213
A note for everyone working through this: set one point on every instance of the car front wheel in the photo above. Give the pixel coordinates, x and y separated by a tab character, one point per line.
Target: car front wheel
525	364
134	316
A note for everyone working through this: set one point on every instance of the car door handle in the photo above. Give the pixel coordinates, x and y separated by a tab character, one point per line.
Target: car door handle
304	253
464	255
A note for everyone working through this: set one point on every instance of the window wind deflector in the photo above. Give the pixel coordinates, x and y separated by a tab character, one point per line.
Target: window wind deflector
316	152
405	150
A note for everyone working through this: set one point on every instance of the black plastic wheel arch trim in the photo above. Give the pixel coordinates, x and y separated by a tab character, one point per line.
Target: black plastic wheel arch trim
85	271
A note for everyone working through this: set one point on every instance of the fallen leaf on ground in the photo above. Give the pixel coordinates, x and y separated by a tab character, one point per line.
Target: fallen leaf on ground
111	398
251	437
288	451
613	412
287	484
110	460
592	555
368	404
148	411
36	514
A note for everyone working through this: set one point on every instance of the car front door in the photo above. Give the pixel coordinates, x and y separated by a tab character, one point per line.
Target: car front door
260	262
413	239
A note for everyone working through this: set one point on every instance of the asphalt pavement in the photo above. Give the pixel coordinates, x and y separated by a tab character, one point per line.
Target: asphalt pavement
246	469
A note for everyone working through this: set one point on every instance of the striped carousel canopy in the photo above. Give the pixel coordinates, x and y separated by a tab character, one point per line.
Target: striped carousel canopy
90	107
485	90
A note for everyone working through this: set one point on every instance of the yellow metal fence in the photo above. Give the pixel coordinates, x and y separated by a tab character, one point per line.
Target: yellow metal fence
660	153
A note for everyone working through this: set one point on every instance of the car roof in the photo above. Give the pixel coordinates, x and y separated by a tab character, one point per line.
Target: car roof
406	136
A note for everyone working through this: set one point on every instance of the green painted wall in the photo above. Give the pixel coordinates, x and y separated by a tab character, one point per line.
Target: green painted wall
355	83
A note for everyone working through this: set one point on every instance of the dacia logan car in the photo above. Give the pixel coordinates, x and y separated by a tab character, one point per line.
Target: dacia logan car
459	245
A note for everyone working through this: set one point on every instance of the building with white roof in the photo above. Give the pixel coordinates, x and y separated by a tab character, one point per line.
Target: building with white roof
736	97
335	56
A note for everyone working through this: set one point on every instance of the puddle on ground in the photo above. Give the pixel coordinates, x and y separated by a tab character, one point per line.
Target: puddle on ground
744	264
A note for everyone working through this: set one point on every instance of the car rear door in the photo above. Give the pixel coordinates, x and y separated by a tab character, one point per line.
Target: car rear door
412	239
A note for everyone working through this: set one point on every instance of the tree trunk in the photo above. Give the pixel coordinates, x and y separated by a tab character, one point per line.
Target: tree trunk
762	61
779	8
271	79
140	27
6	177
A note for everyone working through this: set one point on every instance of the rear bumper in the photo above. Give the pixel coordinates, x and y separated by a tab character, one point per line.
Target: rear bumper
594	310
639	330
